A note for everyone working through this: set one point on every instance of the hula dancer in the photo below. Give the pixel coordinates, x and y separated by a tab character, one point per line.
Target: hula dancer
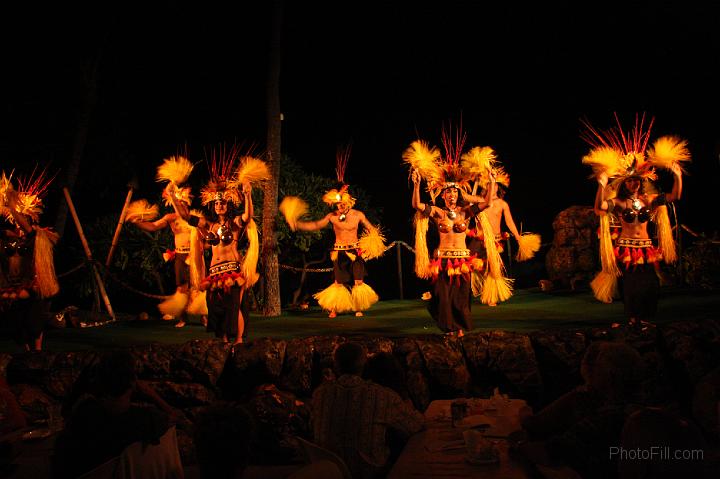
176	170
349	292
631	198
231	274
452	262
27	270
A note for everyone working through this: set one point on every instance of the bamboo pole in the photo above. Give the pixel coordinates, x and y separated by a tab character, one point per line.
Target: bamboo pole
121	221
88	253
399	268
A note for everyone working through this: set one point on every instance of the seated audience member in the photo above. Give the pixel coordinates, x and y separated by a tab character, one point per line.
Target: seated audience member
223	437
13	416
662	435
585	445
706	404
352	416
571	407
385	369
102	424
89	381
12	421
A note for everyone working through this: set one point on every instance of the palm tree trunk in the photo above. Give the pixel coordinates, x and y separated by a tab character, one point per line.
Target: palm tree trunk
81	134
270	199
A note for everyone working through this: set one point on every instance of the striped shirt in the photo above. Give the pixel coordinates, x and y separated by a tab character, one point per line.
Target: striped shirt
351	417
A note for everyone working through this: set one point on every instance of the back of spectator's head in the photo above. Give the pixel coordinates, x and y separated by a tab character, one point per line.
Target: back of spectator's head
385	370
617	372
588	360
654	429
350	359
115	374
706	403
223	435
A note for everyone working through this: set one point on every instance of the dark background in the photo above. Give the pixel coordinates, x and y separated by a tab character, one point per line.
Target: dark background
377	74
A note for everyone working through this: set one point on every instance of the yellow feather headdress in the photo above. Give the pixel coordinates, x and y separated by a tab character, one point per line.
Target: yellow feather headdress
181	194
335	196
453	170
340	195
221	165
622	154
29	193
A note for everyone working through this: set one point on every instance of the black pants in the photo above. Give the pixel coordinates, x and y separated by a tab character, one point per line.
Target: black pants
223	310
347	271
640	287
450	303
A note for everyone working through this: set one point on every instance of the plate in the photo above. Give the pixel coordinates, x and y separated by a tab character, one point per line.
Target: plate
35	434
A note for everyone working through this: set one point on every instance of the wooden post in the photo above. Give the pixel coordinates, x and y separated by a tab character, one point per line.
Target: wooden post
88	254
398	247
121	221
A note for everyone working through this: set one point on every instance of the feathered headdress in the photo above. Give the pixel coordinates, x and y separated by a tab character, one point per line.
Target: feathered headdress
30	191
622	154
221	165
453	170
225	180
181	194
341	195
176	169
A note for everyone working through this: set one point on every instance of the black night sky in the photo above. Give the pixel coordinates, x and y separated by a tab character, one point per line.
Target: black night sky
377	74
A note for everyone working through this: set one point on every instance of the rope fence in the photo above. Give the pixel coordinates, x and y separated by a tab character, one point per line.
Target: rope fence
327	270
395	244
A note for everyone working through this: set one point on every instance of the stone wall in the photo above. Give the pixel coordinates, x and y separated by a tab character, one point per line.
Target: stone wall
574	251
275	378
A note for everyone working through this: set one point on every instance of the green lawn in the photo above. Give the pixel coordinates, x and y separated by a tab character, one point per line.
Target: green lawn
528	310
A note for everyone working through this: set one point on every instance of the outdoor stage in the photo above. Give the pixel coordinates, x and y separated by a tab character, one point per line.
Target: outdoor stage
528	310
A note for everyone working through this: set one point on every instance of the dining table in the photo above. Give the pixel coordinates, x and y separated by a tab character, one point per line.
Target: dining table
29	453
440	451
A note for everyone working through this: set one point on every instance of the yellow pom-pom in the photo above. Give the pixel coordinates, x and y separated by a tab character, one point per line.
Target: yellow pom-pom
251	170
604	160
372	243
141	210
528	245
667	151
176	169
175	304
292	208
